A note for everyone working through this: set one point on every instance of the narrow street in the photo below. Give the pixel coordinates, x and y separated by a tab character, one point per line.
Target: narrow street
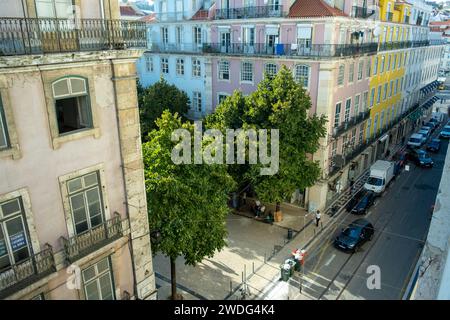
401	218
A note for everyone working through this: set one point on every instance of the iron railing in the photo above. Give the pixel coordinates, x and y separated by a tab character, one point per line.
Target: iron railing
291	50
26	272
268	11
176	47
362	12
353	122
83	244
19	36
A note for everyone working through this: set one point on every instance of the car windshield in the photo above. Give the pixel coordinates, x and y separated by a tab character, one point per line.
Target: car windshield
447	129
375	181
414	140
423	155
351	232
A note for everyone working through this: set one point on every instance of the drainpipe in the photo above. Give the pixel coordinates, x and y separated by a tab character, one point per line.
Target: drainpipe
127	212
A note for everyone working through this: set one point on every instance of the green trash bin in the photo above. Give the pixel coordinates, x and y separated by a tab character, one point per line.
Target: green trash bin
286	272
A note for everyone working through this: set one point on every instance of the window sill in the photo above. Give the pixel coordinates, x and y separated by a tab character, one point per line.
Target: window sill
57	141
12	153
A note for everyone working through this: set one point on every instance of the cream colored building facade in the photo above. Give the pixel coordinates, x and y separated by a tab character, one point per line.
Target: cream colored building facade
73	214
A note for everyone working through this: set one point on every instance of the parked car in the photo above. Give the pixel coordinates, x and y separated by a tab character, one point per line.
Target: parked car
415	141
354	200
420	158
434	145
354	236
445	133
364	203
435	121
429	126
425	131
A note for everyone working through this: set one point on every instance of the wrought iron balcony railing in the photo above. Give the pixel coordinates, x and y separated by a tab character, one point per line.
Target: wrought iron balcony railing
268	11
362	12
291	50
26	272
83	244
348	125
20	36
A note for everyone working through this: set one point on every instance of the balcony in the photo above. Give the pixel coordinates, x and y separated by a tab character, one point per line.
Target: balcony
361	12
22	36
176	47
269	11
346	126
389	16
291	50
83	244
24	273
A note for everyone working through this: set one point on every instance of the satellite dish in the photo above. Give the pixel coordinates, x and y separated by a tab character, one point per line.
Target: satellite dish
376	31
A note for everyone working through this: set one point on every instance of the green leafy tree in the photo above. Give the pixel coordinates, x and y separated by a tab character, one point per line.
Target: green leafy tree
187	203
157	98
278	103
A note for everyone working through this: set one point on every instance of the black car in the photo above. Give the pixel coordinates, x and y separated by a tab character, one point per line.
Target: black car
354	200
364	203
434	145
354	236
420	158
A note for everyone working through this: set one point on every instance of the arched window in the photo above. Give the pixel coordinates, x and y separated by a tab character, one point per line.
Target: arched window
73	110
302	75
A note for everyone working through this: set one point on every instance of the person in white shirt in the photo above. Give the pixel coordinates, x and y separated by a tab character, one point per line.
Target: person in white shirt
318	216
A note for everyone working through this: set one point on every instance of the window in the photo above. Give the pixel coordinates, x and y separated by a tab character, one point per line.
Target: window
368	68
361	133
337	115
271	69
375	124
149	63
353	138
247	71
372	97
399	60
304	38
379	94
389	63
179	35
196	68
394	65
348	106
356	107
364	101
165	35
375	66
98	281
334	149
224	70
360	70
302	75
396	86
165	65
54	8
197	101
180	67
86	204
382	120
197	35
4	141
73	110
351	72
369	123
382	64
221	97
391	88
385	91
341	73
14	243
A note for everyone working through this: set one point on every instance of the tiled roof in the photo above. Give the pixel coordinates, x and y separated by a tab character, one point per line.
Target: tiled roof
151	18
439	23
129	11
313	8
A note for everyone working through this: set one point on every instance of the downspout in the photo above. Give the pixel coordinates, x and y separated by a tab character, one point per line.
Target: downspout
127	211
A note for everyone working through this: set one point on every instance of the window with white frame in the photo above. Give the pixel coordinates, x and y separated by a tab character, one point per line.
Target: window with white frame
375	66
180	66
361	133
197	33
337	115
302	74
385	91
334	149
379	94
368	68
341	74
61	9
4	140
72	104
369	123
372	97
364	101
353	138
14	238
149	63
165	35
388	67
179	35
351	72
383	60
304	35
394	65
382	120
270	69
86	203
356	106
375	124
224	70
391	88
98	281
197	101
247	71
396	86
348	107
196	68
165	65
360	69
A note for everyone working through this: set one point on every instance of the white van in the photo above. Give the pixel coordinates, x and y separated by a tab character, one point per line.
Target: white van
415	141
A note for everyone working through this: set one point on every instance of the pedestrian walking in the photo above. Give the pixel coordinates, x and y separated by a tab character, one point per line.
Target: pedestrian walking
317	218
352	185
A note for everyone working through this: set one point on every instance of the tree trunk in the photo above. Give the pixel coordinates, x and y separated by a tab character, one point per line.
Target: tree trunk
173	277
278	206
